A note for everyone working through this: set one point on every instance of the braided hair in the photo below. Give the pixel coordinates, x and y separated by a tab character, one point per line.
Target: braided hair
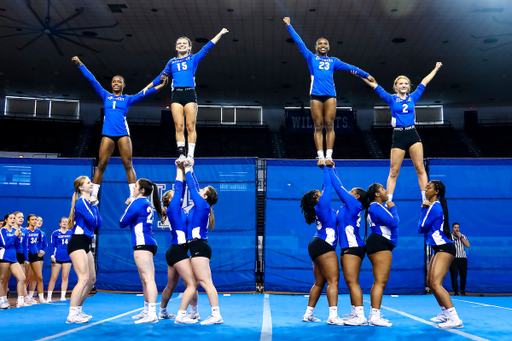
370	195
441	189
308	203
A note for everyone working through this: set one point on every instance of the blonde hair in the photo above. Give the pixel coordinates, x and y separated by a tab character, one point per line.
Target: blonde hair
402	77
78	182
316	44
189	43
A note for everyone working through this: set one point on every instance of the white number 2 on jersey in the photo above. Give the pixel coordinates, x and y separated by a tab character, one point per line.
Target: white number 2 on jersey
150	216
182	67
405	108
324	66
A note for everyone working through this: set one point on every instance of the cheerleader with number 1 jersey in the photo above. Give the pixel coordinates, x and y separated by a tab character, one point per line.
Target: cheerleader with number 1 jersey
405	136
139	215
316	207
322	91
59	241
115	127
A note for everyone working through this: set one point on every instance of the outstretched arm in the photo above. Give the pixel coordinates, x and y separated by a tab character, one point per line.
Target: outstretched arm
324	203
216	39
99	89
370	80
431	75
302	47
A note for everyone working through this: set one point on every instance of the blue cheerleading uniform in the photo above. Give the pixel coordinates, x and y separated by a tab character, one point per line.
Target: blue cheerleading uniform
116	107
198	216
139	215
322	68
402	110
34	241
9	242
87	218
59	245
431	225
325	215
384	221
22	246
183	70
177	217
349	215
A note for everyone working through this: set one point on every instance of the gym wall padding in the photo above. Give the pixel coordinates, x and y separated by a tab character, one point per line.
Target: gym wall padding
479	198
232	241
43	187
288	267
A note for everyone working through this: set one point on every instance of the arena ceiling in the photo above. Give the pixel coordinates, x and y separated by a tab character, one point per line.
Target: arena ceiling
254	64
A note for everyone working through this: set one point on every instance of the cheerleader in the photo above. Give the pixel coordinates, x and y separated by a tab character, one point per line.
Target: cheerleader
316	207
139	215
60	259
435	226
43	247
405	136
183	97
22	248
352	246
200	219
9	240
322	91
178	261
115	128
383	219
84	217
36	250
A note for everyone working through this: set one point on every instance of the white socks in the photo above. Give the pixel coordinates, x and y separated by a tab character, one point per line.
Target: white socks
182	312
216	311
423	197
375	313
132	187
390	197
359	311
74	310
180	144
191	148
309	310
453	313
62	295
152	308
49	297
328	153
333	311
193	309
21	300
30	294
320	154
41	297
95	190
146	306
163	310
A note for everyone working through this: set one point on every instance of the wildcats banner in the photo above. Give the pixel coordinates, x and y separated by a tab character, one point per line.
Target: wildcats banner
299	121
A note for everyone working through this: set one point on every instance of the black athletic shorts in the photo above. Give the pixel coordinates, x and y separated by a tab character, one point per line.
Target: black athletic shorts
20	257
376	243
150	248
322	99
41	259
404	138
6	261
183	96
317	247
448	248
199	248
176	253
79	242
33	257
62	262
358	251
114	138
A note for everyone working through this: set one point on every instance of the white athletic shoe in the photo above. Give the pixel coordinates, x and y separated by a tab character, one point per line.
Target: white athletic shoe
166	316
184	319
148	319
30	301
379	321
181	159
336	320
328	161
193	316
76	319
189	161
348	317
441	317
5	305
451	323
84	315
213	319
139	316
320	162
63	299
356	321
310	318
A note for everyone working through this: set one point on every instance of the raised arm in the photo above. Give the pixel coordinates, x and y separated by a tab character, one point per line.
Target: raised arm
324	203
193	188
431	75
339	65
302	47
347	198
216	39
97	86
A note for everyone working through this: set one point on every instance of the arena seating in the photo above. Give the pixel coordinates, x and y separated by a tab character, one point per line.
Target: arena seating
493	139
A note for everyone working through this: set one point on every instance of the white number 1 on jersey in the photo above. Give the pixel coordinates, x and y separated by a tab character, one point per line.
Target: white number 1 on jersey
113	104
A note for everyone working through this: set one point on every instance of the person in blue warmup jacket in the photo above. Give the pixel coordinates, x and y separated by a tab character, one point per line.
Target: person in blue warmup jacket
139	216
59	241
316	207
183	68
383	219
405	136
115	128
435	227
84	218
322	91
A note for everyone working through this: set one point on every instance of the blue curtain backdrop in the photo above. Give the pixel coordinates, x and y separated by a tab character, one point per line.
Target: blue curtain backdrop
479	197
288	267
232	241
42	187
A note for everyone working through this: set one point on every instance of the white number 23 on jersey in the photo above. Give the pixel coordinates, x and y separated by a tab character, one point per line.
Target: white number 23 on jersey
324	66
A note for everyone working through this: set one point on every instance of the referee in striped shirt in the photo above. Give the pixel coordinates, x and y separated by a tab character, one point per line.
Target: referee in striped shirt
460	263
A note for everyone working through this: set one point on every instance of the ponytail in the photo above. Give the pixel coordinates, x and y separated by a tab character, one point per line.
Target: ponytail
156	201
166	201
211	199
211	219
78	182
441	195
